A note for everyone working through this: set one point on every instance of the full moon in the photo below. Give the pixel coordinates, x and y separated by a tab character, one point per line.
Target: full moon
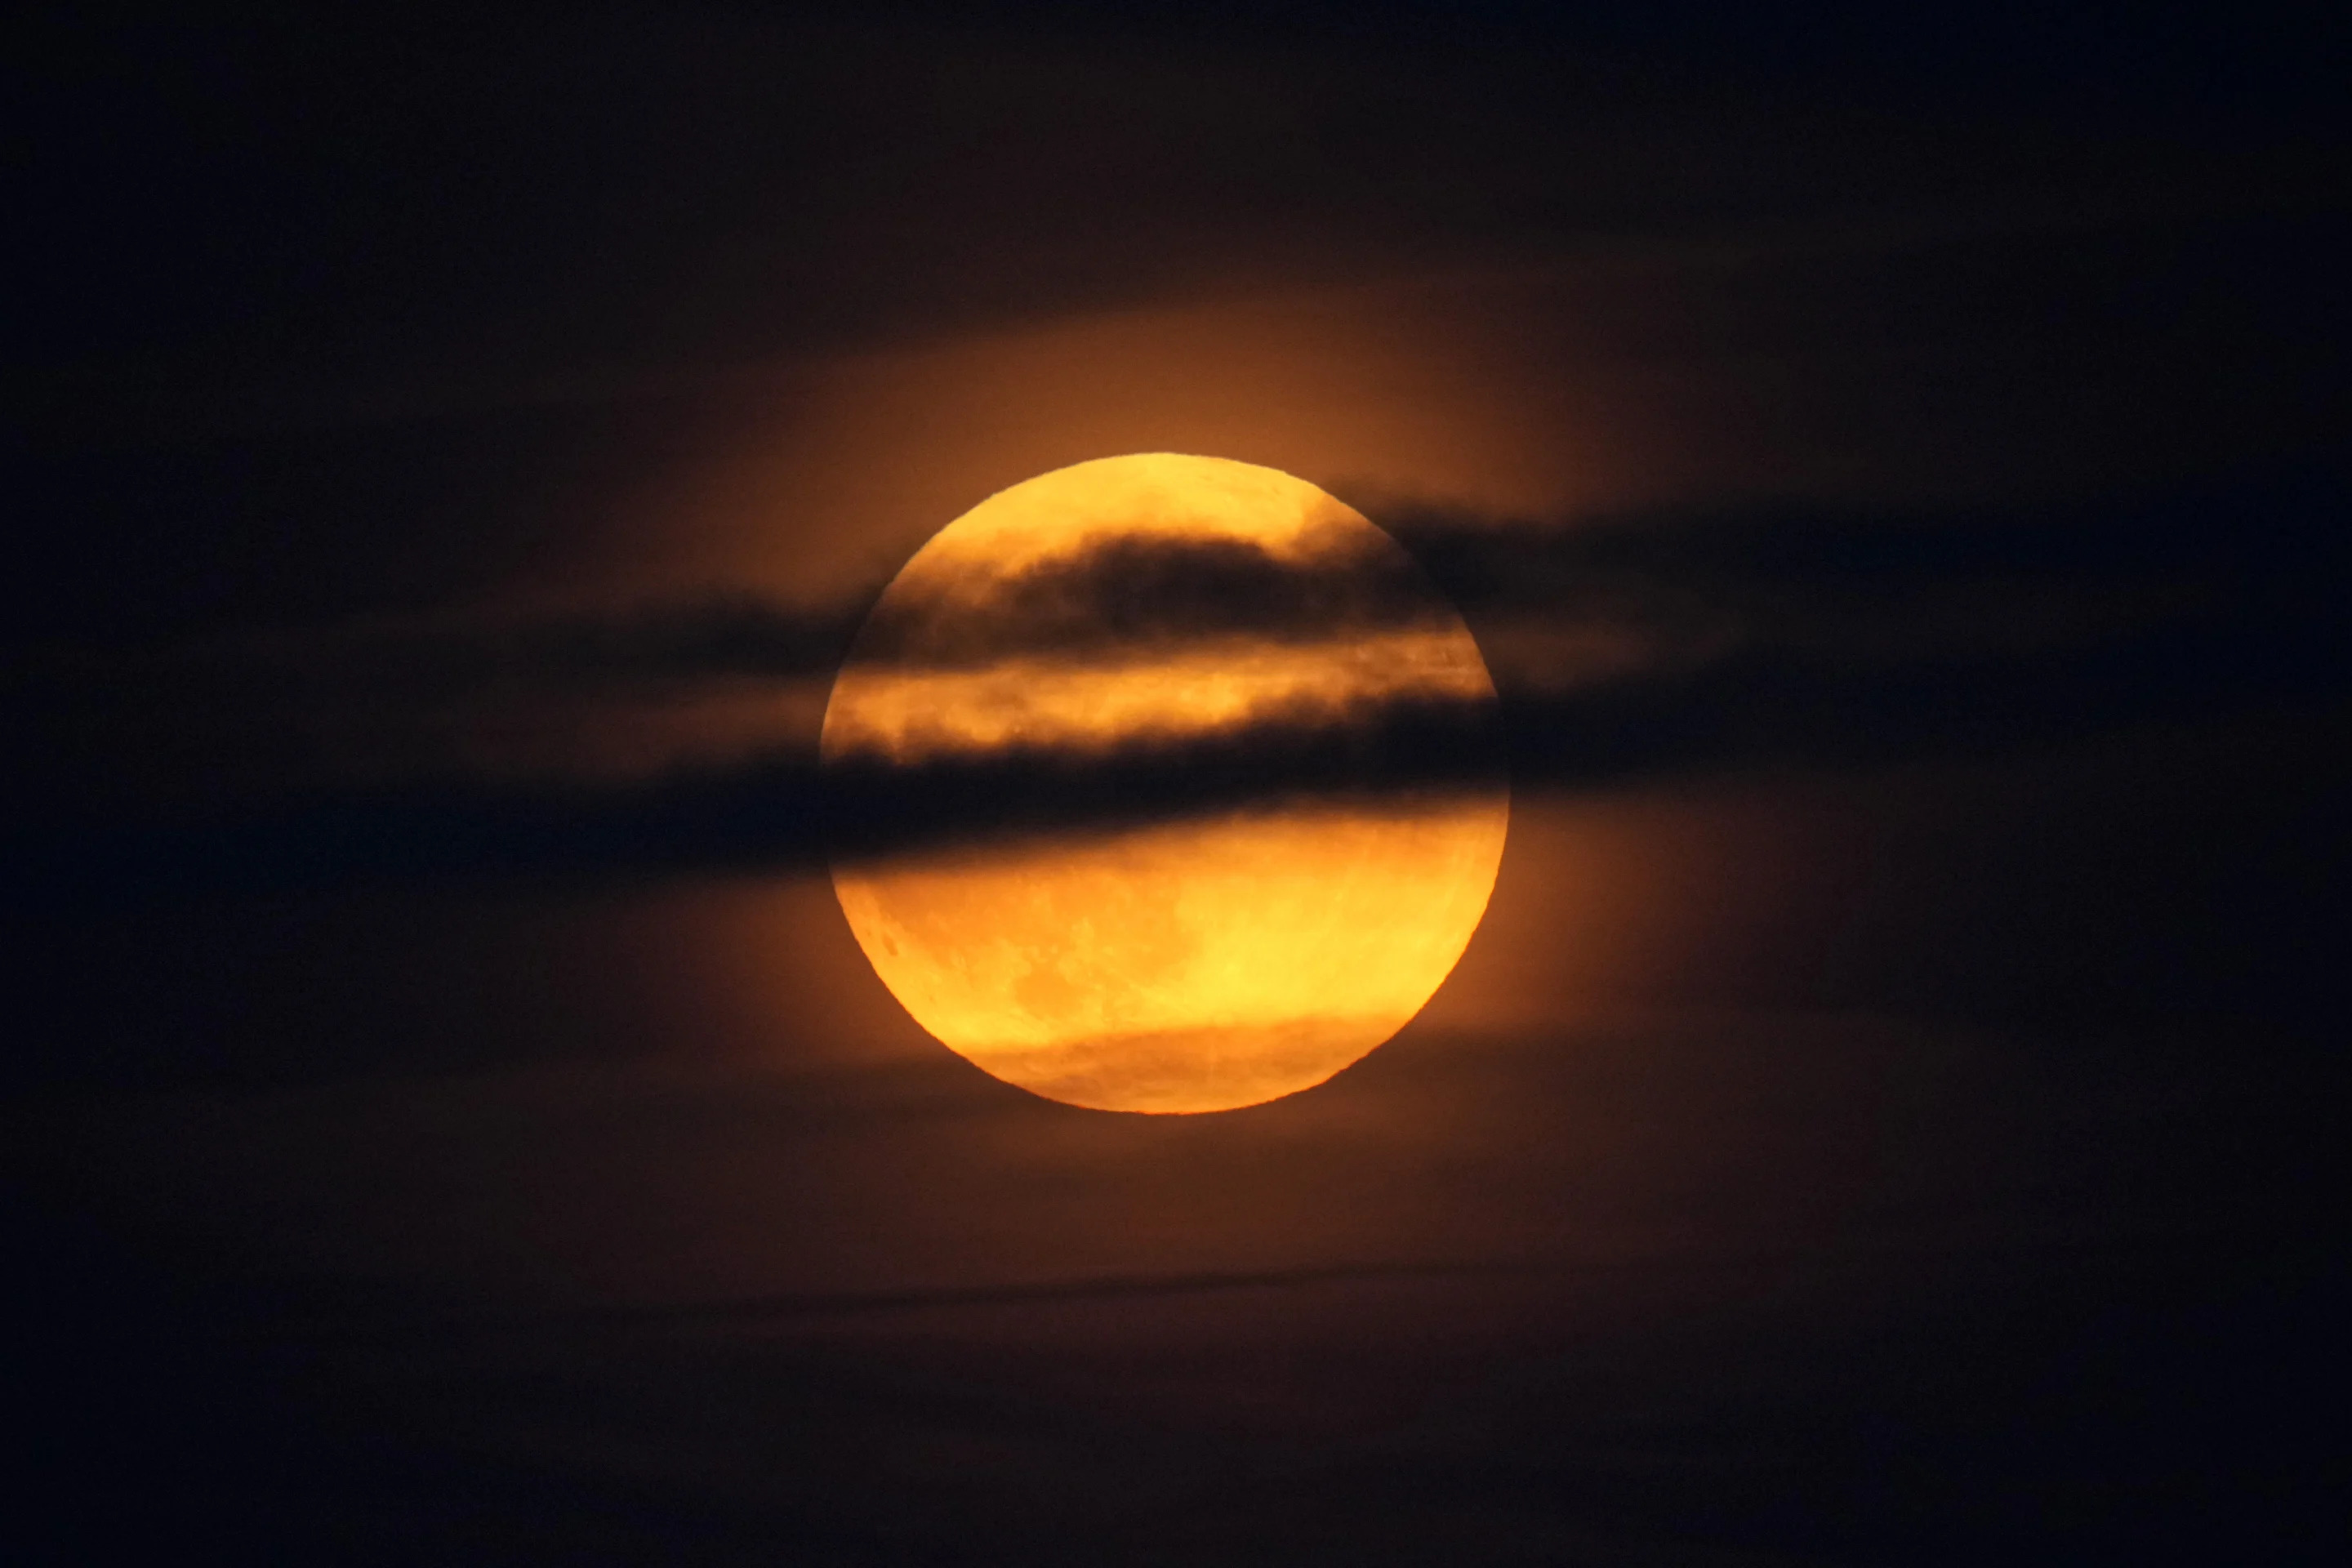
1195	964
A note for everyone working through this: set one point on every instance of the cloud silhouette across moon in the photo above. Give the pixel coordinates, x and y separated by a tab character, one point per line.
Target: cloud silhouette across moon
1194	965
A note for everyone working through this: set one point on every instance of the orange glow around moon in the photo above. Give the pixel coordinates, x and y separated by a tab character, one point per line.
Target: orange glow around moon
1199	965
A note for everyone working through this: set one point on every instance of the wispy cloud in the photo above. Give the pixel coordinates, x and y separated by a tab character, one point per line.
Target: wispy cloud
1624	649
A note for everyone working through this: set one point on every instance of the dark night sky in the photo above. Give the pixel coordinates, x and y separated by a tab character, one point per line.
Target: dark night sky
1894	459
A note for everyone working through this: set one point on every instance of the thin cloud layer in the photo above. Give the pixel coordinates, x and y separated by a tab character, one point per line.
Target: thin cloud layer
1624	650
1142	593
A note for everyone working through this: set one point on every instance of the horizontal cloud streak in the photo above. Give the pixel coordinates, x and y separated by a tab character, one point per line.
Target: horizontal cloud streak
1787	637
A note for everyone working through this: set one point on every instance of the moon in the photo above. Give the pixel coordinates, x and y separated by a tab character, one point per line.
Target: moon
1199	964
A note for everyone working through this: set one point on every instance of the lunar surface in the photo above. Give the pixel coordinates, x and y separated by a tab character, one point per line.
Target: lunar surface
1201	963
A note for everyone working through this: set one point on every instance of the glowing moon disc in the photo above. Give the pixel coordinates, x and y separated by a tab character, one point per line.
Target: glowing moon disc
1199	964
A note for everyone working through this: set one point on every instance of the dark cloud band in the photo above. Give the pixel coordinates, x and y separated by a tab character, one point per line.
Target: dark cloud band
1803	638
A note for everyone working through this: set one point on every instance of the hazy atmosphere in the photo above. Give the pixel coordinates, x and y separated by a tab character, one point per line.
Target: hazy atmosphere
1894	470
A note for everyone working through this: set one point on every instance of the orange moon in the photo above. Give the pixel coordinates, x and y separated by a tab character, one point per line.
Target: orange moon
1196	965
